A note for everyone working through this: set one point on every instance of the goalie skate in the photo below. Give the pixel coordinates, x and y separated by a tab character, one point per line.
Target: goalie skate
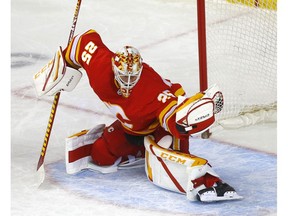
220	192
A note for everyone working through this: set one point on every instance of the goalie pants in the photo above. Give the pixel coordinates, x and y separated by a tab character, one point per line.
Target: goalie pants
115	143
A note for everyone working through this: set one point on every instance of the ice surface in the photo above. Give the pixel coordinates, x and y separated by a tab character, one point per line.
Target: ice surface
165	33
257	170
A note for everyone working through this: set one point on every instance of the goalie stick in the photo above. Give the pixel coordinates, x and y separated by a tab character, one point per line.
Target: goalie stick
40	167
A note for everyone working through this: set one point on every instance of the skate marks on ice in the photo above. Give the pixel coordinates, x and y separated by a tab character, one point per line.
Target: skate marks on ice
22	59
251	173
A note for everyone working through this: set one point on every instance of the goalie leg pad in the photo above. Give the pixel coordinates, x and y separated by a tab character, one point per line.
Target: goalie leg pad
103	149
167	168
78	149
185	173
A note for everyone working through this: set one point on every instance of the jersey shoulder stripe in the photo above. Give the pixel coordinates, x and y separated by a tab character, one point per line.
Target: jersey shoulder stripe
166	113
73	49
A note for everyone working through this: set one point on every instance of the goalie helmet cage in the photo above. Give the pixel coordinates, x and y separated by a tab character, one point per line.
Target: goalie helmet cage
237	42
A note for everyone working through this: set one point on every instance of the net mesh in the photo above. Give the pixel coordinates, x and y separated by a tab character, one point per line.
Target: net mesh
242	54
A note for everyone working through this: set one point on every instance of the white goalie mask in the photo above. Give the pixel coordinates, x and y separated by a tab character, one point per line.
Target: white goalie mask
127	67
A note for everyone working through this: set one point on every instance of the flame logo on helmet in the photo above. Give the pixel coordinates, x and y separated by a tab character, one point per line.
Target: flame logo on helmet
128	61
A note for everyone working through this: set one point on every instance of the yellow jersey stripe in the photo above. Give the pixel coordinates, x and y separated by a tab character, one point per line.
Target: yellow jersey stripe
77	50
165	111
180	91
176	143
168	118
167	114
67	55
190	100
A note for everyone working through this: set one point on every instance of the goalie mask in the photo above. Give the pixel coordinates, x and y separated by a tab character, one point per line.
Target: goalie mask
127	67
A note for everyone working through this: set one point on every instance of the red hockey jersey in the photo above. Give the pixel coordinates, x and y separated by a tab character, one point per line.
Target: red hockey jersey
152	102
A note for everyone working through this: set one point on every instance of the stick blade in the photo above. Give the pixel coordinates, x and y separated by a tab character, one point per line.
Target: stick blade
40	162
40	175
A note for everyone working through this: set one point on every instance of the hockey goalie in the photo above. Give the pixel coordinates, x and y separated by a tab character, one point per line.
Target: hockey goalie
154	118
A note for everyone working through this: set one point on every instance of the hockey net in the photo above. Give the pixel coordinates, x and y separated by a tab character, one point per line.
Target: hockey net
241	43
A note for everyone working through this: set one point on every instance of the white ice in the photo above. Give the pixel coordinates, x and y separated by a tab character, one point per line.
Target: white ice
165	33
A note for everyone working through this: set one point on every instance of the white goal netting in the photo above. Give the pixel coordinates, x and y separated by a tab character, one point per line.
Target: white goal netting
242	58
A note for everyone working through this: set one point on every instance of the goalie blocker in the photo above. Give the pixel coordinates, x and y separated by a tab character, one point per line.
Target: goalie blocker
55	76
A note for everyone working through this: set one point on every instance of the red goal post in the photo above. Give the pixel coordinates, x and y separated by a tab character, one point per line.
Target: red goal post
237	42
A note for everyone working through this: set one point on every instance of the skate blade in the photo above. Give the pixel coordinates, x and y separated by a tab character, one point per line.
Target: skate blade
212	197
